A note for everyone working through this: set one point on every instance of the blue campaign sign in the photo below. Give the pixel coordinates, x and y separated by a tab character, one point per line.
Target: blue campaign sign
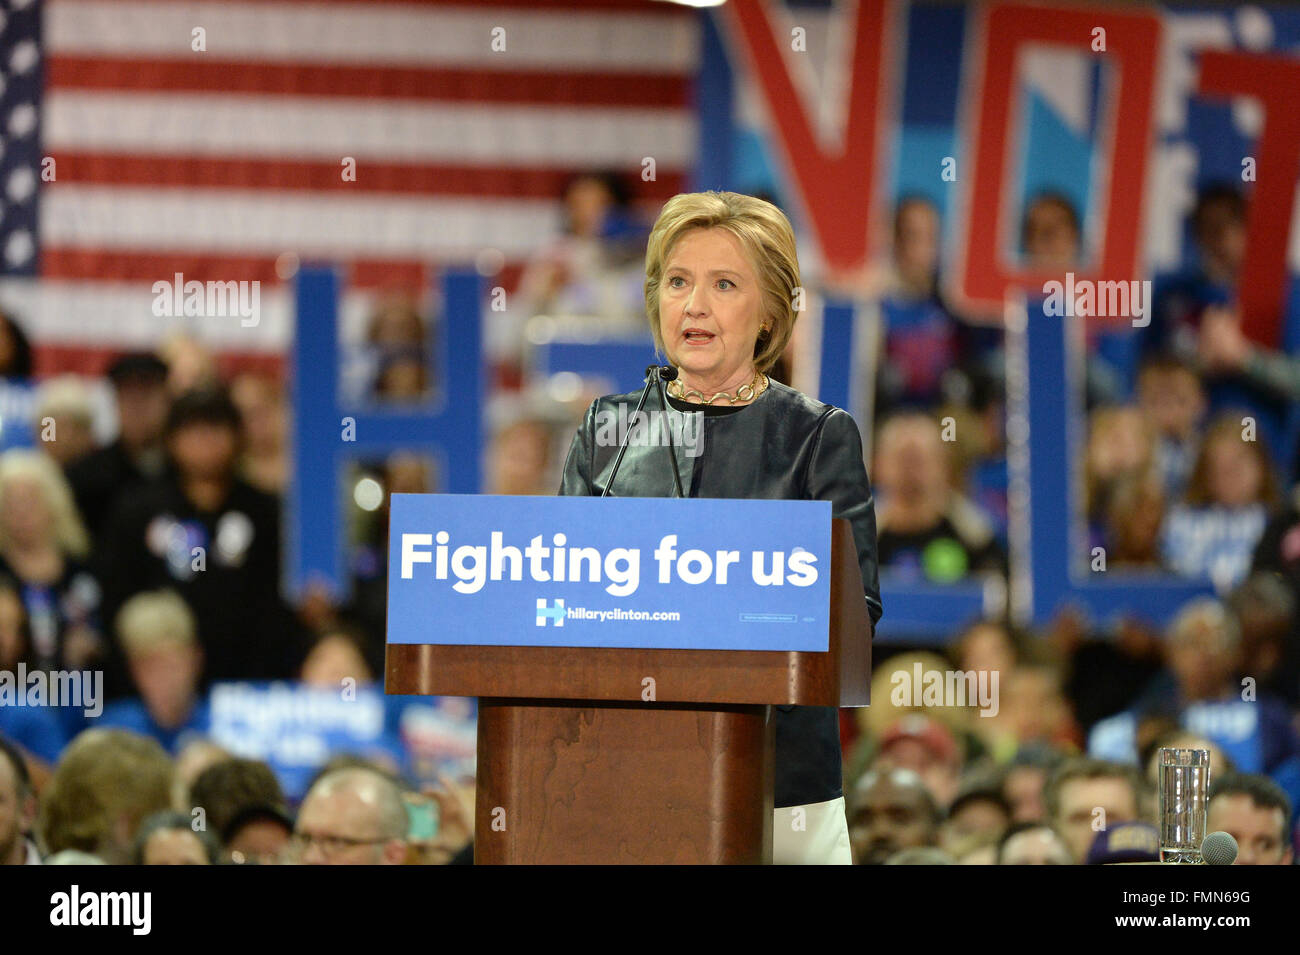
295	729
628	572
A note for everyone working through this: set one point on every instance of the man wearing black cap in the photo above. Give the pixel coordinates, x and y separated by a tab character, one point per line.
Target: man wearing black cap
136	457
211	537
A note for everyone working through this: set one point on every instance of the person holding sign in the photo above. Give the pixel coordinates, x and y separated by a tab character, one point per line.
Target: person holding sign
722	294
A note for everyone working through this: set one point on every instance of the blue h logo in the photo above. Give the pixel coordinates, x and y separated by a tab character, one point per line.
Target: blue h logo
446	431
555	613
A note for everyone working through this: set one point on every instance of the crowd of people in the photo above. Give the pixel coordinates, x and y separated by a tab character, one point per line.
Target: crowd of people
154	559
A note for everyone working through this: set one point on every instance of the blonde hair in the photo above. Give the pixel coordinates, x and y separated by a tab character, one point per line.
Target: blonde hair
1227	429
153	619
105	776
764	233
23	465
65	395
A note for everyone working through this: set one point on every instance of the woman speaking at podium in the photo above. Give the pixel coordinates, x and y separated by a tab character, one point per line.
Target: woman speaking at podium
721	290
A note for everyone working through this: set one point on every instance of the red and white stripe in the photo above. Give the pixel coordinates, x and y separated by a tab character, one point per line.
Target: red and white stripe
217	163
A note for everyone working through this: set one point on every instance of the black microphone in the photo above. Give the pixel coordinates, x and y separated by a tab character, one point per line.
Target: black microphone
655	375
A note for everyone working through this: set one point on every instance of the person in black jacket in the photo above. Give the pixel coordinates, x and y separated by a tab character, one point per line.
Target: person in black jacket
136	457
722	292
212	538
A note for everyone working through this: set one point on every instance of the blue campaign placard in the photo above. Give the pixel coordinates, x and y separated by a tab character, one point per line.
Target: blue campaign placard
659	573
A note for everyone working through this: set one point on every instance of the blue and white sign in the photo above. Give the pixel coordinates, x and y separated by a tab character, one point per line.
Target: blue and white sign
616	572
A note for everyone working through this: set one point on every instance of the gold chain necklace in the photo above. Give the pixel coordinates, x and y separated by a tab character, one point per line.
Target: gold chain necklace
746	392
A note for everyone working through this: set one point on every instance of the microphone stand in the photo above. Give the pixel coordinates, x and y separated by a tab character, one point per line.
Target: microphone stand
670	373
654	376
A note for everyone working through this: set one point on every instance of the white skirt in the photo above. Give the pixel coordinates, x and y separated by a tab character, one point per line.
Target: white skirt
815	834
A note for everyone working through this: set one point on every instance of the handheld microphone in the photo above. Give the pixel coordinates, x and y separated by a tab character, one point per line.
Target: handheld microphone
1219	848
655	375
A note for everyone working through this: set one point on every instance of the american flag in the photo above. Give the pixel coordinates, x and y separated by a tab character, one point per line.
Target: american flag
145	138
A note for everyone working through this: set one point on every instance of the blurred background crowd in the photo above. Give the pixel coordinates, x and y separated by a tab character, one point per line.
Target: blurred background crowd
98	571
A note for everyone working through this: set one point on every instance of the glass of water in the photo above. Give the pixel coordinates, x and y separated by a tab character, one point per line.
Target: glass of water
1184	780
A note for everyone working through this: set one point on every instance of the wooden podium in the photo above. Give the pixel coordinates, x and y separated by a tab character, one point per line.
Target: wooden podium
637	756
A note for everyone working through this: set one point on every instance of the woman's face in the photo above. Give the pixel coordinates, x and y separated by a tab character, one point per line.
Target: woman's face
916	240
709	310
174	847
1234	474
24	513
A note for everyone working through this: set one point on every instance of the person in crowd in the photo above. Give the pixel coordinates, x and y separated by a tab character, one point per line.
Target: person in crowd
338	654
211	537
265	415
1204	658
592	268
927	354
136	456
1085	796
926	747
157	634
1218	227
15	350
17	808
1051	239
1172	398
195	755
191	366
43	544
980	813
1032	843
169	838
1125	843
891	810
352	816
258	835
107	782
1026	777
868	725
1134	515
1108	665
42	731
927	531
1214	531
1257	813
1196	316
1050	233
1199	691
398	352
1278	555
987	646
1268	612
1121	447
980	850
522	453
232	795
1225	350
988	649
64	419
1031	707
402	379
